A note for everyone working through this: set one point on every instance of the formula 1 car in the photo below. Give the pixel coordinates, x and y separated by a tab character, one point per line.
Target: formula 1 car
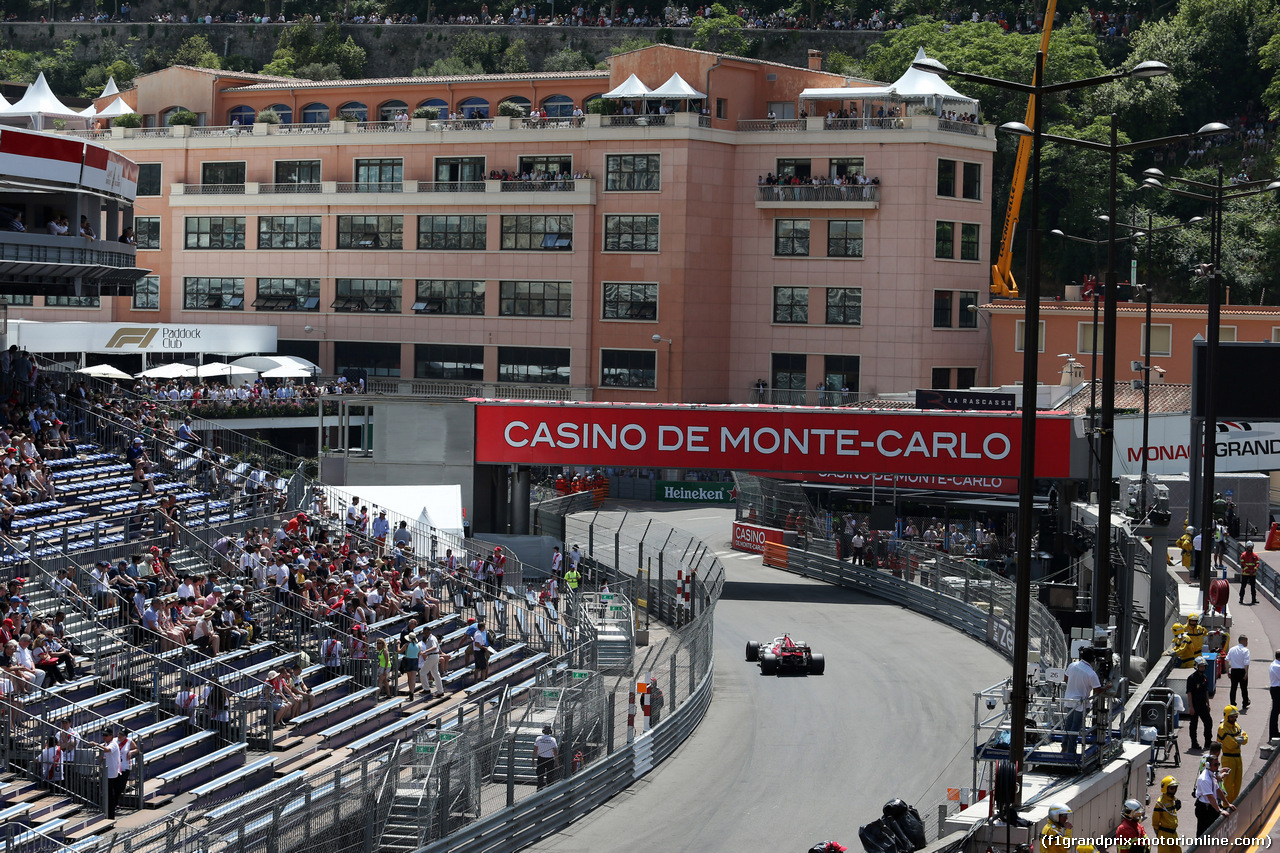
783	654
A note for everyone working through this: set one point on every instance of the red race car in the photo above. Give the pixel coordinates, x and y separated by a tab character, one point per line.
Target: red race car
783	654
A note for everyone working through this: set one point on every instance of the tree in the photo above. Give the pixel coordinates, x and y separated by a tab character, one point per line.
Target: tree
476	48
566	59
195	51
515	59
629	44
300	49
452	66
720	31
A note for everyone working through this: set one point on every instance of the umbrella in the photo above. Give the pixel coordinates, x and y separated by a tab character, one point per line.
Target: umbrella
287	372
104	371
169	371
222	370
263	363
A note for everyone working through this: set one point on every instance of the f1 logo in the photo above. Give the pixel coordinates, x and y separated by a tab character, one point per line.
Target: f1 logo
127	335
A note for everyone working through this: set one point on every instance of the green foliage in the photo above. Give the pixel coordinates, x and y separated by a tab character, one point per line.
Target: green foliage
427	113
239	62
268	116
186	117
512	109
839	62
629	44
453	66
602	106
196	51
127	120
515	59
348	117
478	49
566	59
722	32
300	53
320	71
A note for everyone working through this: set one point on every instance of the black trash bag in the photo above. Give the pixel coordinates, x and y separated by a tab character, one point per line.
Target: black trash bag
905	820
877	838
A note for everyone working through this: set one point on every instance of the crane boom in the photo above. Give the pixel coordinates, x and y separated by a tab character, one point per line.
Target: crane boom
1002	283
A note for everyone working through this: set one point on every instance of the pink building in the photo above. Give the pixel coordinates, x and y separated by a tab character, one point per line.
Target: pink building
648	259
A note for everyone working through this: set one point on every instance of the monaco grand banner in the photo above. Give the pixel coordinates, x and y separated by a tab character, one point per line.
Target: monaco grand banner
751	438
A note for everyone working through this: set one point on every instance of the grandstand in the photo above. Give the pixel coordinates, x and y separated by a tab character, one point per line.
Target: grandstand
97	546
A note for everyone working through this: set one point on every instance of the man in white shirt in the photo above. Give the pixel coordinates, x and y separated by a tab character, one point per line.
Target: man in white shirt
546	754
430	675
1238	660
1209	802
1274	673
1082	684
51	759
353	513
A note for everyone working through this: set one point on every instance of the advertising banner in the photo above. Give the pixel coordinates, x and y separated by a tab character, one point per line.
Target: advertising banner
754	439
705	493
752	537
1241	446
890	482
129	338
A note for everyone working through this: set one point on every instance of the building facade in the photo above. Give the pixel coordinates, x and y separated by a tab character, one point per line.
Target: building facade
649	258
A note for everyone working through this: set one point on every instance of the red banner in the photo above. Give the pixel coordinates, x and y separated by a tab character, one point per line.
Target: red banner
751	537
984	485
750	438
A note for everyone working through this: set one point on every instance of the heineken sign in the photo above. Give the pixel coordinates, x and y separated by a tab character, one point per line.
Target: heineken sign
707	493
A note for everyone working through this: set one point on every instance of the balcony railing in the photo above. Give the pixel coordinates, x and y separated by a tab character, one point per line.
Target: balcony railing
809	192
889	123
773	125
370	187
380	126
64	251
286	129
461	124
636	121
219	130
290	188
552	123
213	189
153	132
704	121
538	186
491	390
968	127
90	134
450	186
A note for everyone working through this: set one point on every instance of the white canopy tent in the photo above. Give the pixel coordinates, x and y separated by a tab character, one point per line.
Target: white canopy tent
676	88
439	507
116	108
110	89
104	371
173	370
920	91
40	104
222	370
630	89
287	372
264	363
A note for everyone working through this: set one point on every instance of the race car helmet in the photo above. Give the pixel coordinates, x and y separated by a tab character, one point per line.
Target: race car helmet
1133	809
1230	711
1167	785
1059	813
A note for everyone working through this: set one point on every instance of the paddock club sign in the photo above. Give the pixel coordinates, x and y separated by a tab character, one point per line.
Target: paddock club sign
755	439
132	338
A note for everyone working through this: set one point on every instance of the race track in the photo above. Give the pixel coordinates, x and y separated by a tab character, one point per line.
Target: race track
779	764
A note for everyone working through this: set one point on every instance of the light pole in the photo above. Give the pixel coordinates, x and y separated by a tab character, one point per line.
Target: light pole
1036	91
659	339
1212	271
991	357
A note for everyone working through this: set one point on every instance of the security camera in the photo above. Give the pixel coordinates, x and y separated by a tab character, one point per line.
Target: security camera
657	339
991	703
308	329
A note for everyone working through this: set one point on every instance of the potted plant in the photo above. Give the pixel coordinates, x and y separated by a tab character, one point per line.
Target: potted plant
186	117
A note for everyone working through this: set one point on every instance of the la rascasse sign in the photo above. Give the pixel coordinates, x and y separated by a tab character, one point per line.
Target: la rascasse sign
760	439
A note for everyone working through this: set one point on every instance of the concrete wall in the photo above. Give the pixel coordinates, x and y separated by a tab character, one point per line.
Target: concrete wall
1252	498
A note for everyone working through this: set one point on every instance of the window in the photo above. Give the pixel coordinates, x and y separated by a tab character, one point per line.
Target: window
448	296
558	106
802	169
947	180
791	237
368	294
474	108
1226	335
844	306
972	187
847	167
722	108
222	173
1162	339
537	232
1085	333
627	301
452	232
149	179
450	169
628	368
782	109
1020	335
448	361
940	377
374	358
631	233
632	172
967	308
213	294
315	114
242	114
545	365
284	111
288	294
788	377
17	299
535	298
554	164
942	309
844	238
389	110
146	293
379	176
370	232
298	172
355	109
958	378
791	305
969	248
841	373
73	301
146	230
288	232
944	240
215	232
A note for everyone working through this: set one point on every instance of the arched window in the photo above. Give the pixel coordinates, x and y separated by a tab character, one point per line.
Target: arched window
354	108
586	102
436	102
169	113
521	101
558	105
389	110
474	108
284	111
245	115
315	114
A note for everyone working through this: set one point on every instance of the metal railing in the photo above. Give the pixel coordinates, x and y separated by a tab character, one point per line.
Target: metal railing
451	186
552	122
301	127
219	130
545	186
824	192
153	132
882	123
704	121
968	127
213	189
380	126
635	121
773	125
90	134
290	188
461	124
370	186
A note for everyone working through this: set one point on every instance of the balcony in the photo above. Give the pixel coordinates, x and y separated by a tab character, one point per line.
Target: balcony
863	197
396	194
35	263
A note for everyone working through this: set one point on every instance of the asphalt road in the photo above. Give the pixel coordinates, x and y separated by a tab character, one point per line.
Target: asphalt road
779	764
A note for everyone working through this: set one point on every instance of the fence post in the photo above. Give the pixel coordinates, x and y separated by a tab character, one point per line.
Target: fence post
591	539
672	681
337	798
609	723
617	548
443	810
661	595
511	771
693	660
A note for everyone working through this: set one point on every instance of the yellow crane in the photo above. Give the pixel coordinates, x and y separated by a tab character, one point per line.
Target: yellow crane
1002	284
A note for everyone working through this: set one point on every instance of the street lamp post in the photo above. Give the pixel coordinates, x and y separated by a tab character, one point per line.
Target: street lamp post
1036	91
1217	198
659	339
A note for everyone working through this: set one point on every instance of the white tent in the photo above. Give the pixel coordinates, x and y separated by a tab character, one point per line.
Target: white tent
676	87
921	84
116	108
263	363
110	89
287	372
89	112
919	87
39	103
173	370
630	88
104	371
224	371
439	507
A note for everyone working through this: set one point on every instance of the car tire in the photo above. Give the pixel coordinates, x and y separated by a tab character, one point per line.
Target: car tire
768	664
753	650
817	664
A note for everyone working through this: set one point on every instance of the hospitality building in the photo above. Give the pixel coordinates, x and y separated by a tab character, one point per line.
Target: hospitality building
648	259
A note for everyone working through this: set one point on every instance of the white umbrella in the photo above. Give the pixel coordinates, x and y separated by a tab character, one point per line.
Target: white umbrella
287	372
222	370
169	371
104	371
263	363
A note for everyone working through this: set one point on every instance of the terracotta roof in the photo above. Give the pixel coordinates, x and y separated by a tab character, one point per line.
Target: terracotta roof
732	58
1165	398
276	83
1160	309
217	72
